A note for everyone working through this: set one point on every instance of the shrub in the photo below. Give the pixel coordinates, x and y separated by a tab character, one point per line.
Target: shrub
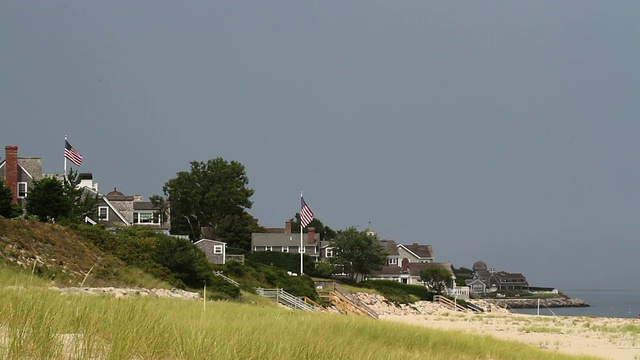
221	289
399	292
285	261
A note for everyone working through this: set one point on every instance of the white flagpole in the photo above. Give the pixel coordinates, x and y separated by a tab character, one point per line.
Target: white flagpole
65	158
301	244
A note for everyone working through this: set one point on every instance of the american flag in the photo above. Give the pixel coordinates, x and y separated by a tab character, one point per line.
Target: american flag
71	154
306	215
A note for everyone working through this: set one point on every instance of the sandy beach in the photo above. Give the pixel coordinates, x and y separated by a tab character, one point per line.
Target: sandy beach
603	337
607	338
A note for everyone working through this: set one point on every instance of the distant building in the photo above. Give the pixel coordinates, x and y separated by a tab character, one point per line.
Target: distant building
283	240
117	210
19	172
215	251
489	280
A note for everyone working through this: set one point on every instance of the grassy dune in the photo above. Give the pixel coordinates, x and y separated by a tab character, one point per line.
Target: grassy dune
37	323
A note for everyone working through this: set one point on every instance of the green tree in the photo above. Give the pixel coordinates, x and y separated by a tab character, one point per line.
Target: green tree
162	207
47	199
236	230
81	201
435	278
326	233
357	252
50	198
208	193
6	208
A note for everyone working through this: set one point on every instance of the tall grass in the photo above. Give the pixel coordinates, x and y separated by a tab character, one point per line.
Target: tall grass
37	323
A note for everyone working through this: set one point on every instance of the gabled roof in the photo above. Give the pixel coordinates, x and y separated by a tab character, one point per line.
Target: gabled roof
415	268
419	251
109	204
3	163
390	246
210	241
391	270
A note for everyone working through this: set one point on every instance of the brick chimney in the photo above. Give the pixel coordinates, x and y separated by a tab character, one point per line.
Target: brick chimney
11	170
405	264
287	227
311	232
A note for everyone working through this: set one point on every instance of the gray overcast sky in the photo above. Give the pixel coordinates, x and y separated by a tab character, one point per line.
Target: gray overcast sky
505	131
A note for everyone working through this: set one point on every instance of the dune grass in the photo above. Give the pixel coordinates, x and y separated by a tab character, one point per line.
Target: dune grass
37	323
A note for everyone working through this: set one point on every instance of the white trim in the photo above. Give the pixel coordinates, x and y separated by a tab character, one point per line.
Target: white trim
416	255
116	211
106	218
104	198
218	249
26	189
25	171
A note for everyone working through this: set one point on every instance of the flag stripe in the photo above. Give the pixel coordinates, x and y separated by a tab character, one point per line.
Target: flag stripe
71	154
306	215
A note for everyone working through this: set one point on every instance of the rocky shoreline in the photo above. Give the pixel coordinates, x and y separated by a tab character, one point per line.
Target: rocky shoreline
533	303
129	292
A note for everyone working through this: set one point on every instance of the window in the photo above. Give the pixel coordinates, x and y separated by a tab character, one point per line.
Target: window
103	213
22	190
268	248
301	249
217	249
146	217
329	252
393	261
285	249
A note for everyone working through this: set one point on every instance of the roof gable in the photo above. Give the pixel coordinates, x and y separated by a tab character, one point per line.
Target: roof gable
419	251
215	242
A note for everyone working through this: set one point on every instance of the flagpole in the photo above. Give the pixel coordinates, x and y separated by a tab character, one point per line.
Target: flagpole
65	159
301	244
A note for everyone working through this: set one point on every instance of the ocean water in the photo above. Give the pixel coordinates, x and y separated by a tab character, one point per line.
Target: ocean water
604	303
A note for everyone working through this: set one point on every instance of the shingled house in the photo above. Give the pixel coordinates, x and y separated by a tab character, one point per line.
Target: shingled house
489	280
214	250
283	240
18	173
408	272
117	209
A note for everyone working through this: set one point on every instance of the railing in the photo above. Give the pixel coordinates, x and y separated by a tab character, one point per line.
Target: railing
219	274
288	300
448	303
344	299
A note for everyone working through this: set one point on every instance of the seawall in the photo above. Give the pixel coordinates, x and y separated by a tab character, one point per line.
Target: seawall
533	303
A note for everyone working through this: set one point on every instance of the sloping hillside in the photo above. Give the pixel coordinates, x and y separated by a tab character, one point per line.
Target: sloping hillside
56	253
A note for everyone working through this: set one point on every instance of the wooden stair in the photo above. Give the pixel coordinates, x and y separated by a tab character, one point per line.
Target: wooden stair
439	299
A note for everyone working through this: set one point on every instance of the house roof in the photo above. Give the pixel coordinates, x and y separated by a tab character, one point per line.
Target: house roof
390	270
415	268
479	265
210	241
143	205
390	246
506	275
420	251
